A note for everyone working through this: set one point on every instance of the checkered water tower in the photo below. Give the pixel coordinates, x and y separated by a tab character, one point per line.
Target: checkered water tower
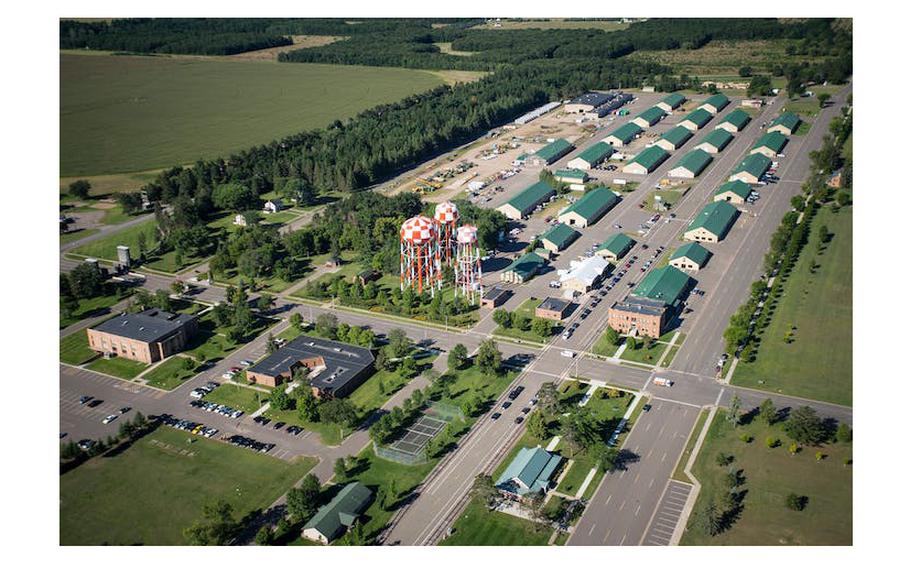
467	264
446	217
419	254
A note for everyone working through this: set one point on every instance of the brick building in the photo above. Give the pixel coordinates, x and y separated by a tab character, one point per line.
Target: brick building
148	336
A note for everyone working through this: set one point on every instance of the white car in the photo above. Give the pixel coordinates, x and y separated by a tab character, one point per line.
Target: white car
567	353
109	419
197	394
227	376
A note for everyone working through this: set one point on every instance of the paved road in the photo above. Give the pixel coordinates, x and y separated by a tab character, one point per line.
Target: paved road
621	509
104	231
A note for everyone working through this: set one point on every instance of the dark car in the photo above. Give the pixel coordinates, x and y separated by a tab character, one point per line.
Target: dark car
495	416
265	420
506	404
646	407
95	403
519	419
125	409
525	410
278	425
515	392
84	399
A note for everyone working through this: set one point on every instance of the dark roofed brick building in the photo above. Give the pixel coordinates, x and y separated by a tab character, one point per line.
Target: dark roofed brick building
148	336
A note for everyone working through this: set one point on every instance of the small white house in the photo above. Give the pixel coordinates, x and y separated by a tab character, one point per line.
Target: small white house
273	206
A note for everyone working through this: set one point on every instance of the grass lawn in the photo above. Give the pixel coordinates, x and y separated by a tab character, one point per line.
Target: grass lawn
803	106
91	307
118	367
170	374
604	347
722	59
155	112
770	475
670	355
211	344
75	235
818	363
644	355
803	128
152	491
679	473
369	396
575	477
527	309
74	348
242	398
479	526
669	197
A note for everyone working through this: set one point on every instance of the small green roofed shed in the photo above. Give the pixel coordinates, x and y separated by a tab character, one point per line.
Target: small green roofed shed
333	518
558	237
754	166
529	471
596	153
693	251
528	199
693	162
716	140
699	117
523	268
666	284
717	101
738	119
787	120
673	100
773	141
554	150
571	175
677	136
738	188
626	133
617	245
590	207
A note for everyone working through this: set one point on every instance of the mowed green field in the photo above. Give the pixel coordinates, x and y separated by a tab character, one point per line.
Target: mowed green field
818	364
155	489
132	113
770	475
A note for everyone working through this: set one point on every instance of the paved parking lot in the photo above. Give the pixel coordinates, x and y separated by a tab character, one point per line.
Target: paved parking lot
667	516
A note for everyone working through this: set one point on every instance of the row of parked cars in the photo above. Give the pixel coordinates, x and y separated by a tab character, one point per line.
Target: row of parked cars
291	429
200	392
187	425
244	442
221	409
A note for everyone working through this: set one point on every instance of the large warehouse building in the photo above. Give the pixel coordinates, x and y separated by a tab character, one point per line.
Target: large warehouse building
558	237
649	117
335	368
691	257
652	305
623	135
751	169
671	102
646	161
696	119
786	124
674	138
589	208
525	202
733	191
691	165
592	156
523	268
770	145
553	151
712	223
586	103
615	247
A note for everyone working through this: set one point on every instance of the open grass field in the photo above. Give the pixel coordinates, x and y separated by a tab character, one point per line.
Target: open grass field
680	472
126	114
170	374
722	57
74	348
603	346
770	475
118	367
557	24
241	398
478	526
527	308
90	307
152	491
818	363
642	354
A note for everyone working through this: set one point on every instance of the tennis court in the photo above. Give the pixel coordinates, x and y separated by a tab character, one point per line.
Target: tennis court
418	435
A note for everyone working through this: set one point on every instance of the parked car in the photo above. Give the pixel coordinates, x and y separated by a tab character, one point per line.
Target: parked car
125	409
84	399
495	416
110	418
519	419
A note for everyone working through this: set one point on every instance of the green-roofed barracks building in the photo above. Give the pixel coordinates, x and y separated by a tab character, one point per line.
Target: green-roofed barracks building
712	223
523	268
751	169
589	208
674	138
691	165
671	102
735	121
339	514
770	145
690	257
649	117
651	306
623	135
592	156
715	142
615	247
786	124
733	192
696	119
715	103
558	237
529	472
553	151
527	200
646	161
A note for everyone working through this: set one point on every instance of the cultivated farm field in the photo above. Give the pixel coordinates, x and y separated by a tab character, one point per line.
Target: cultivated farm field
137	113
